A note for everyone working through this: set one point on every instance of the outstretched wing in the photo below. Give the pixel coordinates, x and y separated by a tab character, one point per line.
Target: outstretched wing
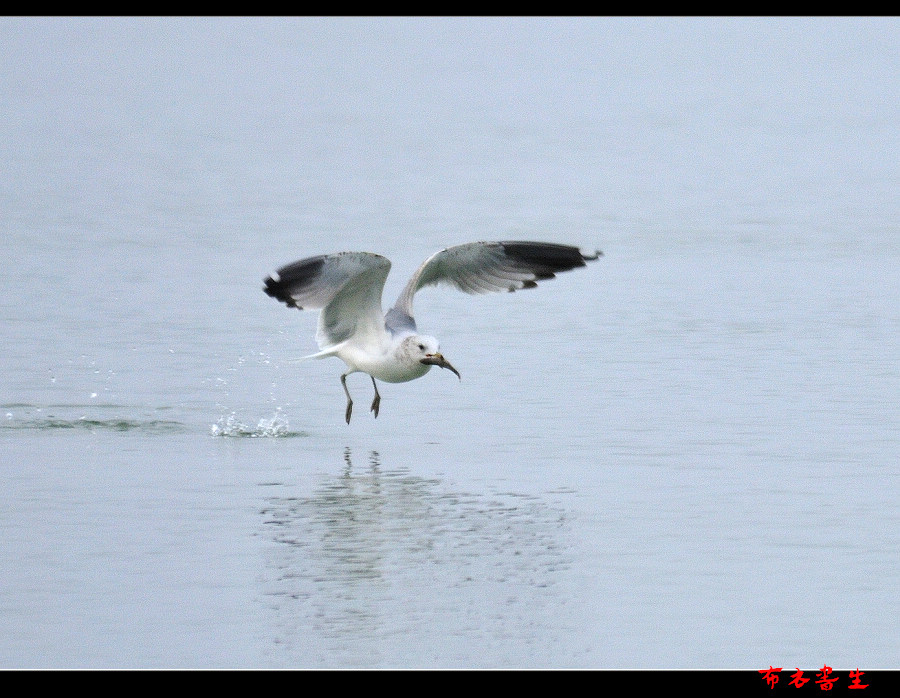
345	286
487	267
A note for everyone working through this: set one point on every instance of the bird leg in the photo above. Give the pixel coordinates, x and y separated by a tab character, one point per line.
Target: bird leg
377	401
349	399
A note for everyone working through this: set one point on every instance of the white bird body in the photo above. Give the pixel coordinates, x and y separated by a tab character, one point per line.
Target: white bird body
391	362
347	288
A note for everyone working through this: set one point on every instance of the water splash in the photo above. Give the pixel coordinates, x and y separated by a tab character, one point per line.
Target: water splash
275	427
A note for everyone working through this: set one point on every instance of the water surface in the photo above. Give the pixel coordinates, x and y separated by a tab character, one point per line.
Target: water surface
682	456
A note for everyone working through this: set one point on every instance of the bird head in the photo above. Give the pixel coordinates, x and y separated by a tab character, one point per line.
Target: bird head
427	351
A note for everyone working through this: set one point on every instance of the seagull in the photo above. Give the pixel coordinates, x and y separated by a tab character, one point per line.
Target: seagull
347	287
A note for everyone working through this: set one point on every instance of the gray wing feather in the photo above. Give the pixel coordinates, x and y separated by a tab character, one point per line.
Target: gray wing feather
488	267
346	286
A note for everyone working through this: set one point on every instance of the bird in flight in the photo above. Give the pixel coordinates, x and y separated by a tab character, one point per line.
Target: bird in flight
347	287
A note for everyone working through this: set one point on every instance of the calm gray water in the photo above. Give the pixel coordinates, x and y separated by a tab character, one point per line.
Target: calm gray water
683	456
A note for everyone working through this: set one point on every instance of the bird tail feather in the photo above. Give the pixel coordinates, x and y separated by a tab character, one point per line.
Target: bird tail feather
324	354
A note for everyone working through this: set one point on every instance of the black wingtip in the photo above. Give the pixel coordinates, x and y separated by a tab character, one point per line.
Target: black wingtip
291	277
547	258
276	289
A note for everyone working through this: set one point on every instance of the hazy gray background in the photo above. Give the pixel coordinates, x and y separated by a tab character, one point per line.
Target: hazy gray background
682	456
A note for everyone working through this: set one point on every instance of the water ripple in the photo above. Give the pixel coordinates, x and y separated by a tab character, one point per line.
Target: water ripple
50	423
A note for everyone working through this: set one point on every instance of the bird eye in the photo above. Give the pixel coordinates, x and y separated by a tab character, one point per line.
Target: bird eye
422	347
